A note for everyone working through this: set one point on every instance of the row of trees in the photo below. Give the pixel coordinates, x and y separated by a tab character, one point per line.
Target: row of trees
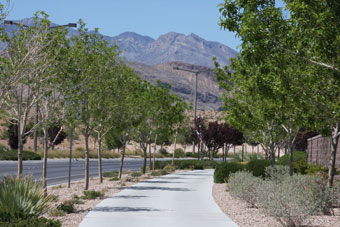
79	82
287	75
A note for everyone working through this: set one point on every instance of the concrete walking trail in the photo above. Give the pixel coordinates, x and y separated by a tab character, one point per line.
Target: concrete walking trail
176	200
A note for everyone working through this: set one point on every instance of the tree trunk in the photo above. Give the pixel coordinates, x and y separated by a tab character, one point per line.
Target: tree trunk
154	153
122	161
35	134
144	163
242	153
173	154
45	159
150	156
224	157
87	156
198	151
272	156
332	160
70	159
20	150
100	167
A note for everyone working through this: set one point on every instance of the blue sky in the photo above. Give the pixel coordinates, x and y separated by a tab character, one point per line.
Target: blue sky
146	17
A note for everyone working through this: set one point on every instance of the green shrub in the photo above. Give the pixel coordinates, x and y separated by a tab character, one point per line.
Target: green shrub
163	152
158	173
295	198
169	168
114	179
257	167
13	155
252	156
76	199
314	169
179	153
190	155
297	156
223	170
187	164
67	206
136	174
299	161
245	186
155	173
336	194
22	198
3	148
32	222
92	194
56	213
276	173
114	173
54	198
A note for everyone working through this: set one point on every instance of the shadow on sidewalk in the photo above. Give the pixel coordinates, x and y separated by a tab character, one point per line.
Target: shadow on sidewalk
158	188
124	209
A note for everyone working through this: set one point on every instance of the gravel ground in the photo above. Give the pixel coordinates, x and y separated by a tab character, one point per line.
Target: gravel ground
243	215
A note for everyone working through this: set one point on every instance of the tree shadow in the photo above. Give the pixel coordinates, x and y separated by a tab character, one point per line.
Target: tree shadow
158	188
162	182
128	197
124	209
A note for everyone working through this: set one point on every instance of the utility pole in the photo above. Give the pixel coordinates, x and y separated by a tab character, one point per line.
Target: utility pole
195	97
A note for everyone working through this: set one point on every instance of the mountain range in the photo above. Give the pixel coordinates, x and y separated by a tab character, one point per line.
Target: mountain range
155	59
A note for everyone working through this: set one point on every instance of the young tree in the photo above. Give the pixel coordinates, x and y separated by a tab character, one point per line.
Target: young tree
30	57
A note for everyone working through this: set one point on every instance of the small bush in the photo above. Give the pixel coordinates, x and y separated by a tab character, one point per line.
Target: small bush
276	173
297	156
336	194
187	164
67	206
223	170
76	199
257	167
169	168
92	194
179	153
245	186
114	179
56	213
163	152
13	155
3	148
111	174
159	173
252	157
315	169
54	198
22	199
190	155
136	174
32	222
295	198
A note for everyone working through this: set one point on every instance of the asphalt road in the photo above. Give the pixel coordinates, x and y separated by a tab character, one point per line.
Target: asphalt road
57	170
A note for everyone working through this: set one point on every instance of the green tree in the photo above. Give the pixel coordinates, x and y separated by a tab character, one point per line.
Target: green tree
266	61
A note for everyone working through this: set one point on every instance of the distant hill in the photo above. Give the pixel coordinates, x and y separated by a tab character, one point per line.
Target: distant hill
172	47
154	60
183	83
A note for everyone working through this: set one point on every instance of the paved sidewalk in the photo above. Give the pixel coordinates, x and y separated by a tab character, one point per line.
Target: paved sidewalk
175	200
